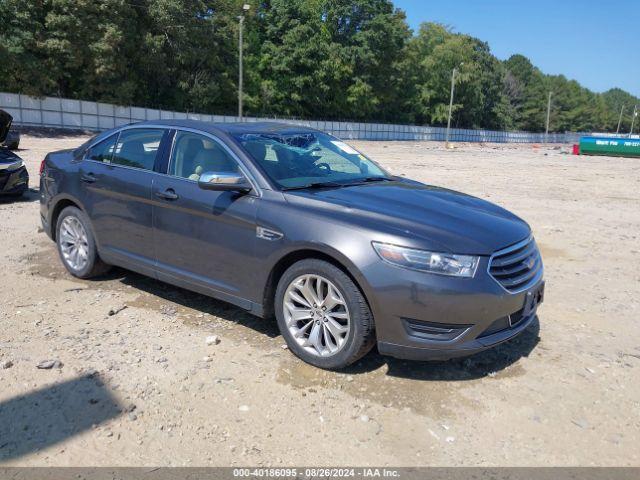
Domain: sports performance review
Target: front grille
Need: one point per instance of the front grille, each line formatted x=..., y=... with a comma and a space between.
x=518, y=267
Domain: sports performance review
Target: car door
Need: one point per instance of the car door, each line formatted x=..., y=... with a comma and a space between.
x=204, y=239
x=117, y=177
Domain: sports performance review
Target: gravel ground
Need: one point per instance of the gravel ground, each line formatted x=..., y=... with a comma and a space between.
x=118, y=371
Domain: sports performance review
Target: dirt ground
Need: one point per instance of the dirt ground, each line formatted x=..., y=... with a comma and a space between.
x=140, y=386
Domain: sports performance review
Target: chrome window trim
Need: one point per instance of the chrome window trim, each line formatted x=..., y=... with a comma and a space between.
x=117, y=134
x=131, y=127
x=116, y=165
x=254, y=184
x=534, y=280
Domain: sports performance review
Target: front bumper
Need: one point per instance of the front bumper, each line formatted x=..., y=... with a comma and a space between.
x=421, y=316
x=458, y=349
x=14, y=182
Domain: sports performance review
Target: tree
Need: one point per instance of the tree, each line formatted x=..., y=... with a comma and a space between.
x=614, y=99
x=332, y=59
x=527, y=94
x=329, y=58
x=24, y=66
x=187, y=58
x=479, y=99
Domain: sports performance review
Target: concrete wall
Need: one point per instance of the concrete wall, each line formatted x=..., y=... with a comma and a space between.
x=79, y=114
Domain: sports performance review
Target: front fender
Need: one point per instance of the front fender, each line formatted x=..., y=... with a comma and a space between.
x=306, y=231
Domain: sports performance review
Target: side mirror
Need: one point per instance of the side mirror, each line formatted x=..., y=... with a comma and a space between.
x=224, y=182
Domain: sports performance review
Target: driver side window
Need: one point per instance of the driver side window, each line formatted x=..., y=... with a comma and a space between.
x=195, y=154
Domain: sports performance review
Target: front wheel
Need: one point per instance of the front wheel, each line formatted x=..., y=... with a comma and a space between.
x=322, y=315
x=76, y=245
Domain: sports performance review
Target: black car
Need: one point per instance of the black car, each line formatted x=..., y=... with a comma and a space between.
x=12, y=142
x=288, y=221
x=14, y=178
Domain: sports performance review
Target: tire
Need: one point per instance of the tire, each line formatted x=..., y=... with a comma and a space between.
x=360, y=335
x=88, y=265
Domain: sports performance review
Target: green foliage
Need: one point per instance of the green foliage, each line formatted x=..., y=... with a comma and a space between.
x=479, y=100
x=329, y=58
x=332, y=59
x=614, y=99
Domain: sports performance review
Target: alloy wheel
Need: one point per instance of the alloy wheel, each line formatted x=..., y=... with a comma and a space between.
x=74, y=243
x=316, y=315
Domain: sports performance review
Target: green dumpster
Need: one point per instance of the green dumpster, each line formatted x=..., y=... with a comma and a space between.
x=618, y=146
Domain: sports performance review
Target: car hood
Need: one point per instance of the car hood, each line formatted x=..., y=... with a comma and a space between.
x=443, y=219
x=7, y=156
x=5, y=125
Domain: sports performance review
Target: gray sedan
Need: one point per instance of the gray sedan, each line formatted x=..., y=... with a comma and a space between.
x=290, y=222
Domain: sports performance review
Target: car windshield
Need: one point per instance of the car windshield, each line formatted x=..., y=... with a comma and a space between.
x=309, y=159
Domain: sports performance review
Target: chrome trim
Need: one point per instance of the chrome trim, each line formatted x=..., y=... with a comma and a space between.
x=12, y=166
x=243, y=168
x=116, y=165
x=451, y=340
x=268, y=234
x=221, y=178
x=513, y=247
x=130, y=127
x=533, y=281
x=464, y=331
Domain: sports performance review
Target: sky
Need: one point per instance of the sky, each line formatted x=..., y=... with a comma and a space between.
x=594, y=42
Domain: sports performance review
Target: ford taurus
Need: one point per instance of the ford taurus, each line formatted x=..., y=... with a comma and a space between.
x=290, y=222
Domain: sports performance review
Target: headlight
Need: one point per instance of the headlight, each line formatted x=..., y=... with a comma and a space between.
x=432, y=262
x=15, y=165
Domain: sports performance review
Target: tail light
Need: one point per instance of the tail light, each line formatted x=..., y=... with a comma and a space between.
x=42, y=166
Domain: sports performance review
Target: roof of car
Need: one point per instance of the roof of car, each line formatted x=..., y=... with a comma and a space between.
x=233, y=128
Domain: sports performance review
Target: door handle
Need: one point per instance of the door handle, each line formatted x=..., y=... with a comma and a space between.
x=168, y=194
x=88, y=178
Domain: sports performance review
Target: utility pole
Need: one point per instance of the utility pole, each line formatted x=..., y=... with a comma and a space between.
x=453, y=83
x=246, y=8
x=633, y=119
x=548, y=113
x=620, y=119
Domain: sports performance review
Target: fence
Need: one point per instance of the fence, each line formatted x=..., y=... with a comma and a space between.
x=80, y=114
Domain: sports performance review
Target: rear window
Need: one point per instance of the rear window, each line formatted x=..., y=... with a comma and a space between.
x=102, y=151
x=137, y=148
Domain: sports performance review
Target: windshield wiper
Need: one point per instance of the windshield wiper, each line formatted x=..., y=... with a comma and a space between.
x=371, y=179
x=316, y=185
x=359, y=181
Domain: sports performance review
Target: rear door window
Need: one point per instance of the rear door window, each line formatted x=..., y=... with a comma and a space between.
x=103, y=151
x=138, y=148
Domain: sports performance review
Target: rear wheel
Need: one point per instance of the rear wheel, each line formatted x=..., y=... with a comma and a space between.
x=76, y=245
x=322, y=315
